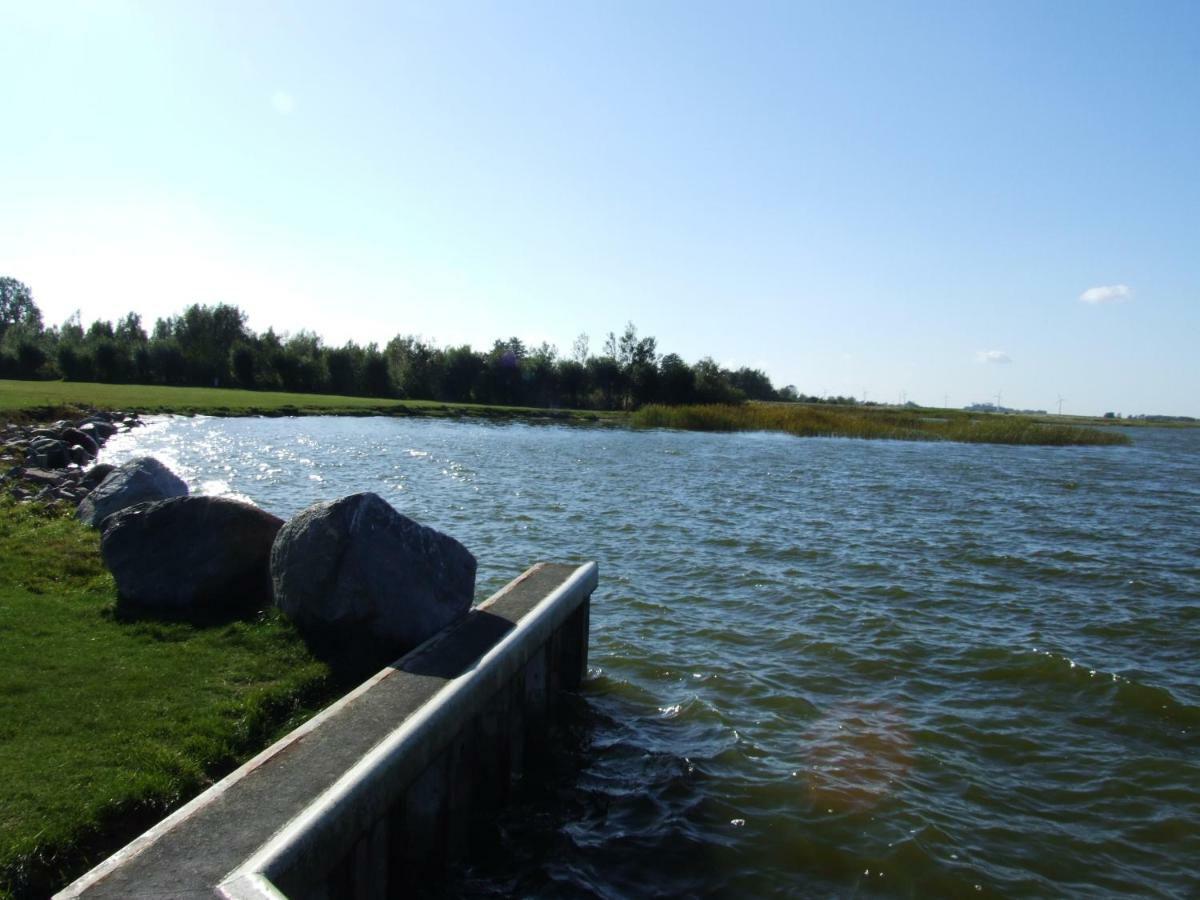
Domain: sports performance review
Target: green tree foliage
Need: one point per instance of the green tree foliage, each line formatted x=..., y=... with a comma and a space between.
x=461, y=371
x=676, y=381
x=207, y=345
x=22, y=350
x=17, y=308
x=713, y=384
x=204, y=335
x=754, y=384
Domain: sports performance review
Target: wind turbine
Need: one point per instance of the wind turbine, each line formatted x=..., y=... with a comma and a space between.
x=1061, y=398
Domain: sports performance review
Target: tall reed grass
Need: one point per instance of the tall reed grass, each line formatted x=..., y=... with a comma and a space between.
x=871, y=422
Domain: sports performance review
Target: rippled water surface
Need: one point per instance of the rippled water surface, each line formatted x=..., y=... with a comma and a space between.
x=818, y=666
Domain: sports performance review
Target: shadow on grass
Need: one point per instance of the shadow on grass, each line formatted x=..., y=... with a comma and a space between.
x=351, y=657
x=349, y=662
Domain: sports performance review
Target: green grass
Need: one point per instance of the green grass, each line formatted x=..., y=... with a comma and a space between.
x=40, y=400
x=107, y=724
x=871, y=422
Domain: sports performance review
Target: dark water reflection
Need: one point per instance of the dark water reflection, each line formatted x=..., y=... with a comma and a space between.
x=818, y=666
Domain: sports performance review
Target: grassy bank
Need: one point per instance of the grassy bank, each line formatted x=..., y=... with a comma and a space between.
x=871, y=422
x=107, y=724
x=40, y=400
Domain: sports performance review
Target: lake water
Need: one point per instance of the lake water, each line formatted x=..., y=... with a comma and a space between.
x=818, y=666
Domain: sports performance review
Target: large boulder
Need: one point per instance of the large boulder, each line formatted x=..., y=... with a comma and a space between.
x=99, y=428
x=191, y=555
x=137, y=481
x=96, y=474
x=83, y=439
x=48, y=453
x=359, y=566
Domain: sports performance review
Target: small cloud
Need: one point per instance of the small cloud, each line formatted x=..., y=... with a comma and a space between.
x=283, y=102
x=1107, y=293
x=998, y=357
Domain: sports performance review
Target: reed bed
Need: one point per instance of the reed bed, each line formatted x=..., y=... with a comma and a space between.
x=872, y=423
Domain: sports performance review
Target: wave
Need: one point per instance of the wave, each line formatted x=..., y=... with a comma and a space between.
x=1047, y=669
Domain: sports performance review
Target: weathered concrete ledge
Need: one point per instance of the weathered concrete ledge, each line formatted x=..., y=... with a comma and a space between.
x=378, y=790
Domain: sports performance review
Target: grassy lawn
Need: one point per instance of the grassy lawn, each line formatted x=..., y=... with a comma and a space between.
x=871, y=422
x=108, y=724
x=47, y=399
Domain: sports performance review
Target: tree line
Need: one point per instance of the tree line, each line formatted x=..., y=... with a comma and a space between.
x=212, y=346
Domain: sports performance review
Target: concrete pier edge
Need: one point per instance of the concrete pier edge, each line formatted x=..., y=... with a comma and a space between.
x=340, y=820
x=406, y=752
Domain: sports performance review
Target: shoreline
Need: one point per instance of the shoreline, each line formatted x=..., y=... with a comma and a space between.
x=25, y=403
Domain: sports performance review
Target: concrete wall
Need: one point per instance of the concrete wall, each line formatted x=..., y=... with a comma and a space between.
x=375, y=794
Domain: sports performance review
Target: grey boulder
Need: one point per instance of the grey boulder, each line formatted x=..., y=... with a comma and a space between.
x=191, y=554
x=138, y=481
x=96, y=474
x=48, y=453
x=83, y=439
x=101, y=429
x=358, y=566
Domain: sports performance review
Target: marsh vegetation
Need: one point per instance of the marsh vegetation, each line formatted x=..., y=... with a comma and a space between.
x=871, y=422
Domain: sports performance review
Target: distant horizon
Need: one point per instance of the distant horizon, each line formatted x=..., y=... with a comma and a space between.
x=900, y=400
x=597, y=341
x=937, y=202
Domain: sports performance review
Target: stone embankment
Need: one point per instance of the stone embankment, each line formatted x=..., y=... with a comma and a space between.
x=54, y=463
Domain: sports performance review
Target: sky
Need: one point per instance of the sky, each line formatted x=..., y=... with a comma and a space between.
x=939, y=202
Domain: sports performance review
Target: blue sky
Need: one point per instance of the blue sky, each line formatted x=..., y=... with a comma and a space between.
x=898, y=199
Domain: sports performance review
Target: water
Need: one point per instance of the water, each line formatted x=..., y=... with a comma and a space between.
x=818, y=666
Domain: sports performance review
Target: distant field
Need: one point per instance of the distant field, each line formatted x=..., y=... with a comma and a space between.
x=44, y=399
x=872, y=422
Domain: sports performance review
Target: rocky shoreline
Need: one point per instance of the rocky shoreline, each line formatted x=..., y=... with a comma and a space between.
x=354, y=566
x=55, y=463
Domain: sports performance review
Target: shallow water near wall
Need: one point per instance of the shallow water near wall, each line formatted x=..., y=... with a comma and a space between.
x=818, y=666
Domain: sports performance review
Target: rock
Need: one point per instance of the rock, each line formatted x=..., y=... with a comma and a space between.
x=359, y=566
x=41, y=476
x=137, y=481
x=99, y=427
x=48, y=453
x=191, y=554
x=96, y=475
x=79, y=455
x=84, y=440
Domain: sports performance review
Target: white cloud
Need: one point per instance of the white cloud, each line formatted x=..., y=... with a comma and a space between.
x=283, y=102
x=999, y=357
x=1107, y=293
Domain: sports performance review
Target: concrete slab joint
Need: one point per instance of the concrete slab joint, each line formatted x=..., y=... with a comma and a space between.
x=321, y=812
